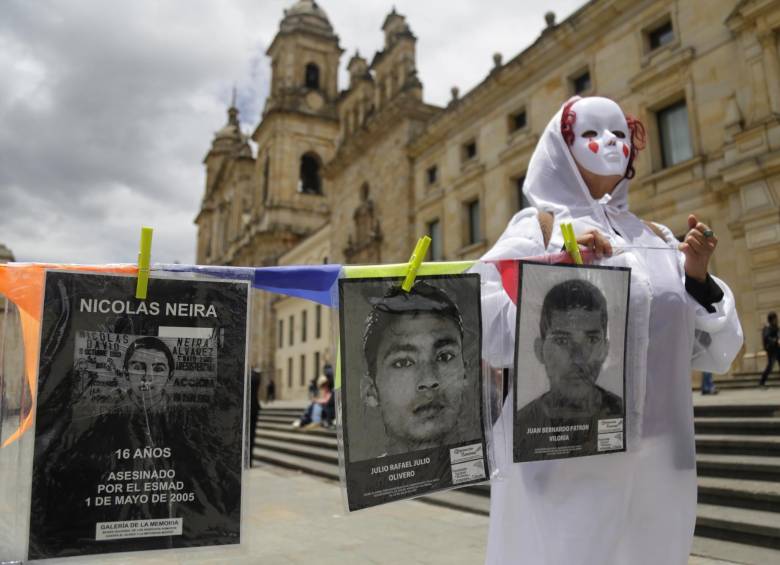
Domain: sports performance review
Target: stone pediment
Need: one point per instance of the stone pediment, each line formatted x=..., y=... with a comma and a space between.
x=665, y=67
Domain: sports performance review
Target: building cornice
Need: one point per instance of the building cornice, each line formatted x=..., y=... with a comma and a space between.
x=275, y=113
x=751, y=168
x=677, y=61
x=747, y=12
x=520, y=142
x=582, y=28
x=329, y=38
x=273, y=233
x=402, y=108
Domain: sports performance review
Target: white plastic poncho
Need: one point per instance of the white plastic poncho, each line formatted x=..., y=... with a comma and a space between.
x=637, y=507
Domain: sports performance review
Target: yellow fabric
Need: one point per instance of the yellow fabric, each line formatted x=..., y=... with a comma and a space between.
x=399, y=269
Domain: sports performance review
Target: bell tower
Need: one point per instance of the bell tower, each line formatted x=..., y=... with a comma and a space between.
x=304, y=62
x=299, y=126
x=296, y=136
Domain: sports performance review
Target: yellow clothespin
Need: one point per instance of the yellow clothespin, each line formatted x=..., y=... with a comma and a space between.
x=570, y=242
x=144, y=260
x=415, y=261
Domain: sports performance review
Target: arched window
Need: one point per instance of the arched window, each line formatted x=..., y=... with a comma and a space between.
x=310, y=181
x=266, y=168
x=312, y=78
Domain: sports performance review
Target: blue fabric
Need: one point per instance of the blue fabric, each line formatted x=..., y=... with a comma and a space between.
x=311, y=282
x=707, y=383
x=316, y=413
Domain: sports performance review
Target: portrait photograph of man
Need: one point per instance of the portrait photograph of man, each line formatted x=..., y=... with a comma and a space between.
x=139, y=417
x=148, y=367
x=411, y=385
x=570, y=361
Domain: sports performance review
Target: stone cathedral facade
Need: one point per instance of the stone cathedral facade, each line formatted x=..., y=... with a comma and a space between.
x=368, y=167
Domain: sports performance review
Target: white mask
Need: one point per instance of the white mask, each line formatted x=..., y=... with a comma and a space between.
x=602, y=140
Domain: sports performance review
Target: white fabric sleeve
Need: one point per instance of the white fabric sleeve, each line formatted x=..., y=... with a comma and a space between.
x=718, y=334
x=521, y=238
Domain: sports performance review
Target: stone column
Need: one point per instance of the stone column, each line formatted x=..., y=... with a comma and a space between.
x=753, y=53
x=771, y=57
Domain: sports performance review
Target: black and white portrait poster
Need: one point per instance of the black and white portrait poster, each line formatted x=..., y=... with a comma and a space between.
x=140, y=407
x=570, y=361
x=411, y=387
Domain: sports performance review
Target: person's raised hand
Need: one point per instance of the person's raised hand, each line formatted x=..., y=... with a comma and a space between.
x=698, y=246
x=596, y=242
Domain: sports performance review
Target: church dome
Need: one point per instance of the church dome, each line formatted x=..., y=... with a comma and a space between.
x=306, y=15
x=230, y=131
x=230, y=134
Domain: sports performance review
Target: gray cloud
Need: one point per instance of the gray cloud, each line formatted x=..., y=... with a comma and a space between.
x=108, y=108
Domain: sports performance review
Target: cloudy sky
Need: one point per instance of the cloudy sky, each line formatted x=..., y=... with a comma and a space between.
x=108, y=108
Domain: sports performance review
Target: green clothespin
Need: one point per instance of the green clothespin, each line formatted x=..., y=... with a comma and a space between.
x=144, y=260
x=415, y=261
x=570, y=242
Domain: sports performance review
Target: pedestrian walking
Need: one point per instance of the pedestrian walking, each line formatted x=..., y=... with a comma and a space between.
x=771, y=346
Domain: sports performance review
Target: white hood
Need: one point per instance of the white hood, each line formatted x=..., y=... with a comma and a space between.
x=554, y=184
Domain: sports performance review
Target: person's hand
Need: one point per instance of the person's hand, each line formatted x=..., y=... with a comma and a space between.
x=596, y=242
x=698, y=246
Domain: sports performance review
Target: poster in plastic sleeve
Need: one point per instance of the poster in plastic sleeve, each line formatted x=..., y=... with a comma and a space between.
x=138, y=434
x=570, y=361
x=411, y=382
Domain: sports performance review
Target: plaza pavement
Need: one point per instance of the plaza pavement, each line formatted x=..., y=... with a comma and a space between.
x=294, y=519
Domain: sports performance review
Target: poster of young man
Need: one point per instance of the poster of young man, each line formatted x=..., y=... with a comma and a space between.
x=570, y=361
x=140, y=407
x=411, y=387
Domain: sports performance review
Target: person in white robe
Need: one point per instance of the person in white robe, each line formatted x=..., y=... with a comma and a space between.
x=636, y=507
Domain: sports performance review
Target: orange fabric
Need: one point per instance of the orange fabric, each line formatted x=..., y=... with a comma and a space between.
x=22, y=284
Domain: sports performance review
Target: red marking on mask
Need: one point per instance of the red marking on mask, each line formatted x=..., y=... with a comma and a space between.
x=593, y=146
x=625, y=150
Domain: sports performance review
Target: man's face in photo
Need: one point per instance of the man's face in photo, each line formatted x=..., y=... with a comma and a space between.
x=420, y=378
x=573, y=349
x=147, y=374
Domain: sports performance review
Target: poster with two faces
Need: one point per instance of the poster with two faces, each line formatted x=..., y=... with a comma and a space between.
x=414, y=419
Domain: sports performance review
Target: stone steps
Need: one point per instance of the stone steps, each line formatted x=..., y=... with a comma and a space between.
x=721, y=425
x=730, y=553
x=757, y=467
x=734, y=444
x=743, y=382
x=738, y=462
x=737, y=411
x=285, y=419
x=747, y=426
x=285, y=425
x=753, y=527
x=740, y=493
x=295, y=462
x=324, y=455
x=751, y=425
x=744, y=377
x=465, y=500
x=730, y=487
x=305, y=437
